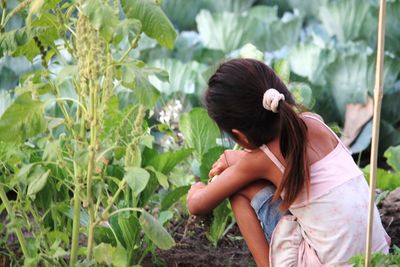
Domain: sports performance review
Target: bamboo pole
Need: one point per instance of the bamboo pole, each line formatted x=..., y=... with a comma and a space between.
x=378, y=94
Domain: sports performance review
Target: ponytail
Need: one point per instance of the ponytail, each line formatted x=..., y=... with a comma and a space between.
x=293, y=145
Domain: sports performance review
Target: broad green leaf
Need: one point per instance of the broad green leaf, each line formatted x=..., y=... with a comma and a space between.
x=310, y=61
x=229, y=5
x=23, y=119
x=302, y=93
x=250, y=51
x=136, y=78
x=154, y=22
x=165, y=216
x=183, y=77
x=385, y=180
x=173, y=196
x=126, y=27
x=225, y=31
x=218, y=224
x=309, y=8
x=155, y=231
x=162, y=178
x=104, y=234
x=344, y=18
x=392, y=30
x=199, y=130
x=282, y=68
x=102, y=253
x=392, y=154
x=347, y=79
x=184, y=16
x=275, y=34
x=9, y=41
x=208, y=159
x=390, y=108
x=165, y=162
x=102, y=17
x=137, y=179
x=130, y=230
x=38, y=183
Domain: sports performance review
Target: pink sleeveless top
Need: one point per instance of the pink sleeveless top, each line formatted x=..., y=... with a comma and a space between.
x=328, y=226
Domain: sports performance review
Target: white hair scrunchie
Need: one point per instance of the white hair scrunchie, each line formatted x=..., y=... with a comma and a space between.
x=271, y=99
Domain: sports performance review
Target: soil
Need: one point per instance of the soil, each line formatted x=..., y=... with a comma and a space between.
x=194, y=249
x=390, y=214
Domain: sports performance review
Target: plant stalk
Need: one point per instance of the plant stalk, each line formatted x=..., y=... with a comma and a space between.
x=11, y=213
x=93, y=86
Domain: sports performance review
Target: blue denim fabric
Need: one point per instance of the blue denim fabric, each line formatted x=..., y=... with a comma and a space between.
x=268, y=213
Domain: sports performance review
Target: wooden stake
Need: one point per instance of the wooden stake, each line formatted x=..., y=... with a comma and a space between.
x=378, y=94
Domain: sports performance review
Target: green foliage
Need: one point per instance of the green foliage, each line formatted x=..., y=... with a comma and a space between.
x=378, y=259
x=218, y=224
x=23, y=119
x=388, y=179
x=200, y=131
x=154, y=22
x=154, y=230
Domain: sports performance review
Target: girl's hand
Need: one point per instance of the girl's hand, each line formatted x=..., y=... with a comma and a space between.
x=228, y=158
x=194, y=188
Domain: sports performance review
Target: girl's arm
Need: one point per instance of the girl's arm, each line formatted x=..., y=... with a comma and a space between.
x=203, y=198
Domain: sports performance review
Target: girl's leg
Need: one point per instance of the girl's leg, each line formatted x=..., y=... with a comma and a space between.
x=249, y=224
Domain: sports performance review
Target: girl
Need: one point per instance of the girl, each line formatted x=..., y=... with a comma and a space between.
x=297, y=195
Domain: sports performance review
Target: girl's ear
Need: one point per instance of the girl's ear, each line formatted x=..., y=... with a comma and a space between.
x=240, y=138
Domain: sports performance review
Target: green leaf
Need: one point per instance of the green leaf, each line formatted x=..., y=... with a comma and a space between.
x=225, y=31
x=9, y=41
x=273, y=34
x=126, y=27
x=310, y=61
x=162, y=178
x=282, y=69
x=23, y=119
x=302, y=93
x=392, y=154
x=344, y=18
x=38, y=183
x=165, y=162
x=184, y=16
x=250, y=51
x=137, y=179
x=183, y=77
x=229, y=5
x=385, y=180
x=136, y=78
x=165, y=216
x=208, y=159
x=106, y=254
x=102, y=17
x=199, y=130
x=154, y=22
x=173, y=197
x=347, y=79
x=218, y=224
x=155, y=231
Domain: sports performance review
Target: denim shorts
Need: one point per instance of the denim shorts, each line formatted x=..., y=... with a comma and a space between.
x=268, y=213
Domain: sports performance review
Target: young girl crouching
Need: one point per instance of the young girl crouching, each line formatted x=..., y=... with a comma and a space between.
x=297, y=195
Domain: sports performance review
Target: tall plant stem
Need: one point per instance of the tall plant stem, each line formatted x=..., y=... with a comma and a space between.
x=76, y=220
x=11, y=213
x=93, y=86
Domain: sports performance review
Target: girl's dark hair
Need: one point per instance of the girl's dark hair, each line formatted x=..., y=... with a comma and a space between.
x=234, y=101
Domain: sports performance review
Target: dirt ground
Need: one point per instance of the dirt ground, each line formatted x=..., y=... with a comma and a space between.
x=193, y=248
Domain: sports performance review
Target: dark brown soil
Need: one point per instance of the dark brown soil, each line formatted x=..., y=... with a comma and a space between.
x=390, y=214
x=194, y=249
